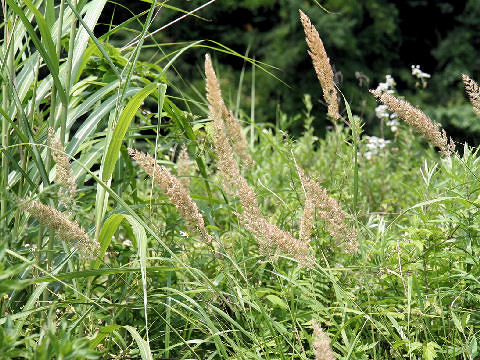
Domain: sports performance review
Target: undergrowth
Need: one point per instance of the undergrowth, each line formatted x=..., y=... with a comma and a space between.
x=110, y=265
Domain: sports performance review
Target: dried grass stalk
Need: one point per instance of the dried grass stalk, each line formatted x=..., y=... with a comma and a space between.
x=64, y=228
x=184, y=167
x=473, y=92
x=175, y=192
x=268, y=235
x=321, y=344
x=64, y=174
x=321, y=64
x=329, y=210
x=414, y=117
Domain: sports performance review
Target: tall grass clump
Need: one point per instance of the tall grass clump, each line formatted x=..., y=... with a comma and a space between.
x=349, y=246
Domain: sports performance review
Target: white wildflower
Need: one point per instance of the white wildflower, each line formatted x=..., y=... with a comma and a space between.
x=374, y=145
x=419, y=73
x=388, y=86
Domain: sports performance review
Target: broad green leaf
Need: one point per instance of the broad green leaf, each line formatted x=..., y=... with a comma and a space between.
x=121, y=128
x=105, y=237
x=275, y=300
x=429, y=352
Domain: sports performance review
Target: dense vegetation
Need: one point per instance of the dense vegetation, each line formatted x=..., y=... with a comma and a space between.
x=219, y=243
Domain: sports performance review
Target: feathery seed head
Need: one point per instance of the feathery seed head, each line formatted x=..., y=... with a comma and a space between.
x=271, y=237
x=64, y=174
x=184, y=167
x=66, y=229
x=175, y=192
x=414, y=117
x=473, y=92
x=329, y=210
x=268, y=235
x=321, y=344
x=321, y=64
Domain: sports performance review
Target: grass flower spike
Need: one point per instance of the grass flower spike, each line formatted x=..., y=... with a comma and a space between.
x=268, y=235
x=414, y=117
x=184, y=167
x=237, y=137
x=67, y=230
x=473, y=92
x=329, y=210
x=321, y=64
x=64, y=174
x=175, y=192
x=321, y=344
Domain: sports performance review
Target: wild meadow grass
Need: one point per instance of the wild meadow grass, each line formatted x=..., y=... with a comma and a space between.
x=138, y=223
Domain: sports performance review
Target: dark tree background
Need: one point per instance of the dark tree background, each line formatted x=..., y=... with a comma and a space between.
x=371, y=37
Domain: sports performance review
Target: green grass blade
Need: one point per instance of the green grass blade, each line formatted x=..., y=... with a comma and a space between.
x=143, y=346
x=52, y=63
x=121, y=128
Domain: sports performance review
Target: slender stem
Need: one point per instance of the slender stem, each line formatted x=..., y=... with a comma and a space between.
x=68, y=77
x=4, y=174
x=252, y=106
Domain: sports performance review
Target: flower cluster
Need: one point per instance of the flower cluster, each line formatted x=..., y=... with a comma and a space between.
x=419, y=74
x=388, y=86
x=374, y=145
x=389, y=118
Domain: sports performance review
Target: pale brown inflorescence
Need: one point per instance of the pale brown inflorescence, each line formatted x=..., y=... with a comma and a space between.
x=66, y=229
x=237, y=138
x=175, y=192
x=329, y=210
x=321, y=344
x=321, y=64
x=268, y=235
x=306, y=221
x=473, y=92
x=64, y=174
x=184, y=167
x=414, y=117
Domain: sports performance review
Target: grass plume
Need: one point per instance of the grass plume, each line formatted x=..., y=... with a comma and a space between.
x=268, y=235
x=66, y=230
x=473, y=92
x=329, y=210
x=184, y=167
x=64, y=175
x=414, y=117
x=321, y=344
x=321, y=64
x=175, y=191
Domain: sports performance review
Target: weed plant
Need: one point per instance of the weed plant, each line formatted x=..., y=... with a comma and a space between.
x=218, y=239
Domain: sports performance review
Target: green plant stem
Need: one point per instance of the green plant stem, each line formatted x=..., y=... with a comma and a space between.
x=252, y=106
x=68, y=77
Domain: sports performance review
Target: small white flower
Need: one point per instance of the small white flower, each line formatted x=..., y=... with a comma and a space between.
x=184, y=234
x=419, y=73
x=388, y=86
x=382, y=111
x=374, y=145
x=127, y=242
